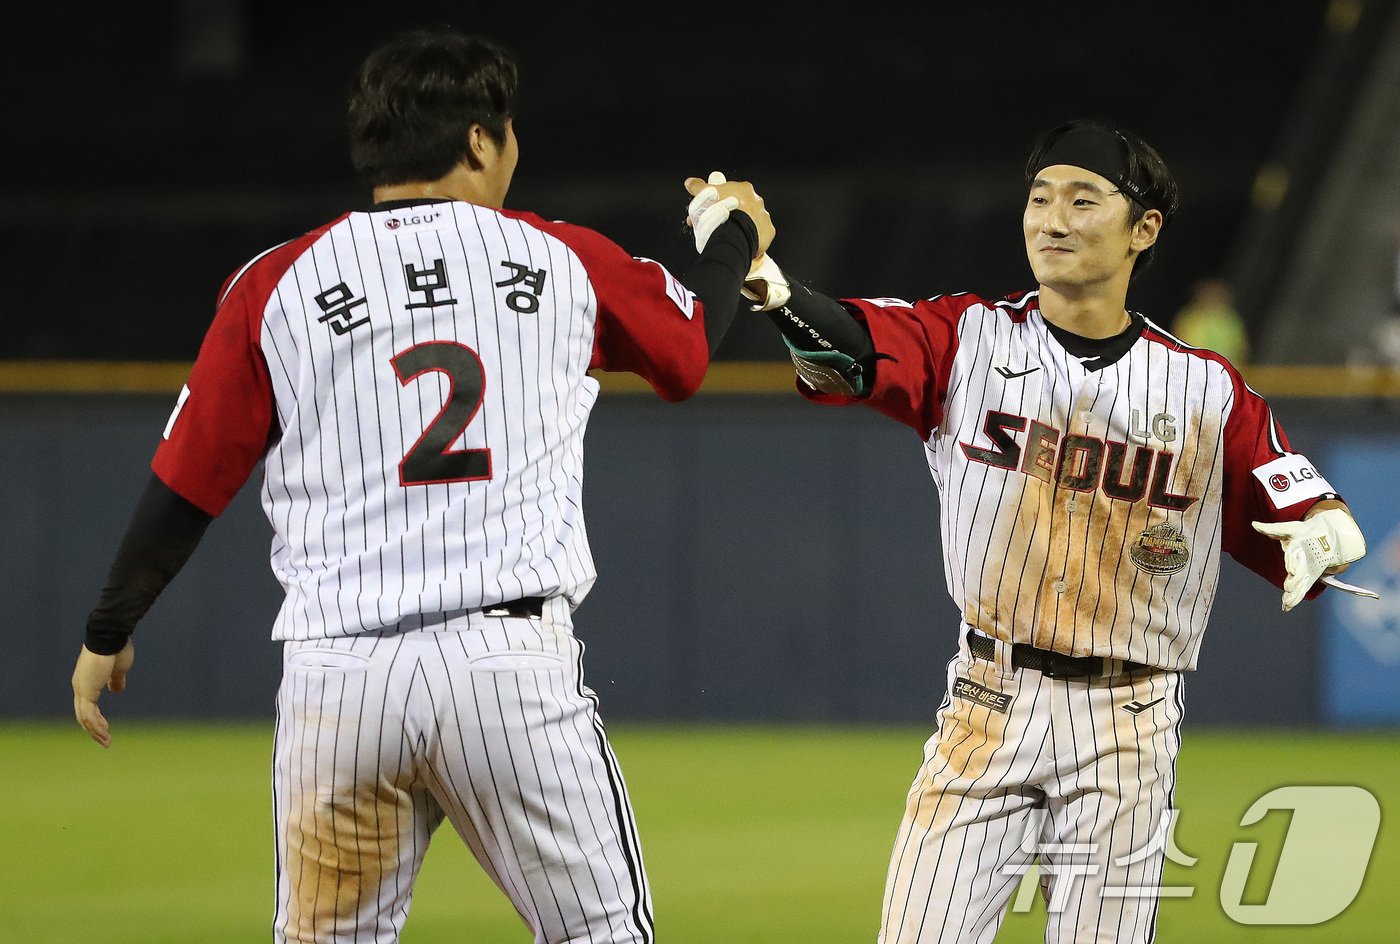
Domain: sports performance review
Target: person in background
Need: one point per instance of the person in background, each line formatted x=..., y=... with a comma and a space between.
x=1210, y=321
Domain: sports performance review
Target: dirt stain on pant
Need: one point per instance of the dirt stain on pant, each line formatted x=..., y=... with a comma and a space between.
x=340, y=847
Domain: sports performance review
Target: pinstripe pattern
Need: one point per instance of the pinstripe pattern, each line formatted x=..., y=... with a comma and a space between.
x=356, y=551
x=1063, y=770
x=1034, y=558
x=1033, y=536
x=1067, y=494
x=485, y=723
x=402, y=705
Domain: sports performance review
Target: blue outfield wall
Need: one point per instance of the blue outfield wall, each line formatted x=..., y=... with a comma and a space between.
x=1361, y=638
x=760, y=558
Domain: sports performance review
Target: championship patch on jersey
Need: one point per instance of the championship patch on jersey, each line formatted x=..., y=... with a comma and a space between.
x=1161, y=549
x=966, y=688
x=675, y=291
x=1291, y=479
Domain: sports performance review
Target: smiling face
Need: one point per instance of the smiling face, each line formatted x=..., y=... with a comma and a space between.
x=1078, y=230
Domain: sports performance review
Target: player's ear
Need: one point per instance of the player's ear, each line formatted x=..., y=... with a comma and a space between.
x=1146, y=229
x=482, y=148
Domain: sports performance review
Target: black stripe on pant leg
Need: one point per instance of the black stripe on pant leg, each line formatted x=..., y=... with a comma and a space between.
x=572, y=747
x=631, y=849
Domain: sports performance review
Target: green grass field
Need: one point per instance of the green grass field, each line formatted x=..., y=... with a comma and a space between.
x=763, y=834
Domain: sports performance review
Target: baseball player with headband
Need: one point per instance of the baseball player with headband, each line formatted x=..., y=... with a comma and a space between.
x=1090, y=467
x=414, y=378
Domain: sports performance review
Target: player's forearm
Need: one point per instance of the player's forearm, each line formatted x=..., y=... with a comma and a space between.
x=718, y=274
x=813, y=323
x=163, y=533
x=825, y=330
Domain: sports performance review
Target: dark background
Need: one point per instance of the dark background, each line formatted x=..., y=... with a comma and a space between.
x=747, y=571
x=151, y=148
x=749, y=567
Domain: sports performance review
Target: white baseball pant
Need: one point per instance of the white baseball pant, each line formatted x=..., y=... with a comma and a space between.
x=1067, y=775
x=483, y=720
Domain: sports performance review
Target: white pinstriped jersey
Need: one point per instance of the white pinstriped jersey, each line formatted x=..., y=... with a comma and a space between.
x=1082, y=510
x=415, y=378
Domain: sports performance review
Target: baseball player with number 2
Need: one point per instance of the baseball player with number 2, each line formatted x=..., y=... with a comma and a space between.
x=414, y=377
x=1090, y=467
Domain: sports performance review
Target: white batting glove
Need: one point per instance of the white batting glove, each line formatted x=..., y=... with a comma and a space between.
x=766, y=285
x=707, y=212
x=1310, y=548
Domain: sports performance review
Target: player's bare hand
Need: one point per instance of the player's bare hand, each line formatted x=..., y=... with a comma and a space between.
x=90, y=675
x=737, y=194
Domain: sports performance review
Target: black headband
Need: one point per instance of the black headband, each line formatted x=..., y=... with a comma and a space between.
x=1100, y=150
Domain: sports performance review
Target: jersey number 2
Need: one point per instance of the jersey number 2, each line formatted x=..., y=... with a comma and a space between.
x=429, y=461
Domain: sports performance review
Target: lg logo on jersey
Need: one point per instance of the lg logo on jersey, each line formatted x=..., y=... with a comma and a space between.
x=1282, y=483
x=1163, y=427
x=1083, y=463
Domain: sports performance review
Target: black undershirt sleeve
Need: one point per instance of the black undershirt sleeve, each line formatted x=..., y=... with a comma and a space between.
x=163, y=533
x=718, y=273
x=812, y=322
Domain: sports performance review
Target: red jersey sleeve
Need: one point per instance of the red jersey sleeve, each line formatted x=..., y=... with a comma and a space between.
x=648, y=323
x=917, y=342
x=222, y=423
x=1265, y=480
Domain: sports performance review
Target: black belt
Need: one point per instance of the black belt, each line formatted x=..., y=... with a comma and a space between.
x=1047, y=663
x=525, y=606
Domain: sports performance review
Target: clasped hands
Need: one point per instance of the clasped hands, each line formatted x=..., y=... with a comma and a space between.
x=712, y=201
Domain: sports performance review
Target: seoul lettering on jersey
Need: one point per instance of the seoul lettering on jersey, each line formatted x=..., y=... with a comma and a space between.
x=1080, y=463
x=1075, y=502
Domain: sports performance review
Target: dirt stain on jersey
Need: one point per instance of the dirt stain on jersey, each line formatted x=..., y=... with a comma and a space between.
x=339, y=848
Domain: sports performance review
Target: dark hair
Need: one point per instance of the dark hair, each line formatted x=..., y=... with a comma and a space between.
x=415, y=99
x=1146, y=182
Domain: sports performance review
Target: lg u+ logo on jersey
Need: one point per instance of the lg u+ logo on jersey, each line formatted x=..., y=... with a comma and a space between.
x=394, y=223
x=1084, y=463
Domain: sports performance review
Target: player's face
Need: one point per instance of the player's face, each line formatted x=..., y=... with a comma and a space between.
x=1076, y=229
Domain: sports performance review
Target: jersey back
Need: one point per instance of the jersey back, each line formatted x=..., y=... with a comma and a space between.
x=424, y=374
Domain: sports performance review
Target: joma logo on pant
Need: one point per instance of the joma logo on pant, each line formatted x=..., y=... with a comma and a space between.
x=1083, y=463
